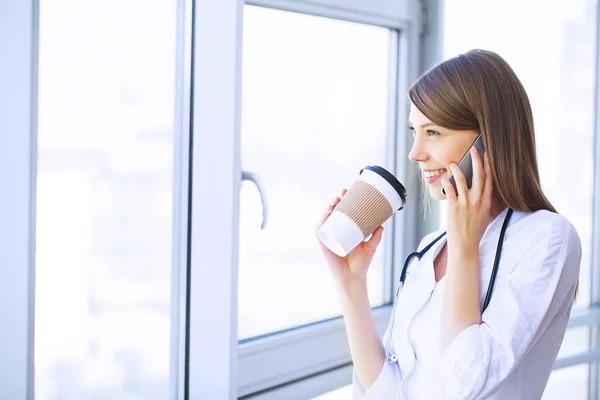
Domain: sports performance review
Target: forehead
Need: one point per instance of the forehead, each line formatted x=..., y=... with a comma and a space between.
x=416, y=117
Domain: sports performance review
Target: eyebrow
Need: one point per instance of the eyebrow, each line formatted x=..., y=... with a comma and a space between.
x=428, y=124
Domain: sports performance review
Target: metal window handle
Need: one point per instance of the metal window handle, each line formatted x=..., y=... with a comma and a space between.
x=251, y=176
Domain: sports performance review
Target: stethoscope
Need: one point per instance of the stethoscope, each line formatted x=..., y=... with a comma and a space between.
x=390, y=353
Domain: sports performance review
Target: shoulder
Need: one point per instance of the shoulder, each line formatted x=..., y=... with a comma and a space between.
x=533, y=226
x=547, y=238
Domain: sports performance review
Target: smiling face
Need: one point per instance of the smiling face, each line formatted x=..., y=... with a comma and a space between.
x=435, y=147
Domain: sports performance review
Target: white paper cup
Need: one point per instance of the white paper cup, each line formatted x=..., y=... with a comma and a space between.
x=371, y=200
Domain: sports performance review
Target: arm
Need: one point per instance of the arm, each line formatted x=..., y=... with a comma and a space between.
x=388, y=377
x=366, y=347
x=461, y=307
x=469, y=212
x=374, y=379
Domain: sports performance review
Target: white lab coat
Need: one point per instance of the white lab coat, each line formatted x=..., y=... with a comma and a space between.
x=511, y=354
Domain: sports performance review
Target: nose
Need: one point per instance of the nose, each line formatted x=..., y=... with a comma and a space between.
x=417, y=152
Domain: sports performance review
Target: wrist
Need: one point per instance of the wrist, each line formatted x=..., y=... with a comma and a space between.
x=352, y=290
x=351, y=282
x=463, y=252
x=463, y=259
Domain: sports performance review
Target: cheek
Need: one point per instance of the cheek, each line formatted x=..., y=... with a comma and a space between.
x=455, y=153
x=441, y=158
x=445, y=161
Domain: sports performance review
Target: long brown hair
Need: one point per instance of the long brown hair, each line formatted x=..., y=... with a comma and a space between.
x=479, y=91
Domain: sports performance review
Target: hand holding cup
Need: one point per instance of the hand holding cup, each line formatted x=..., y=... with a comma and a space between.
x=354, y=216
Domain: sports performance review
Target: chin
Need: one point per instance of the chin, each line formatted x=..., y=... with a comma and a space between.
x=436, y=192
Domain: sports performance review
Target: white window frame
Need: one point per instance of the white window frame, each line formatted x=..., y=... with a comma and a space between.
x=181, y=203
x=212, y=353
x=18, y=120
x=388, y=13
x=594, y=370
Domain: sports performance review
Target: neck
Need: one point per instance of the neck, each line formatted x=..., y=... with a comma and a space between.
x=497, y=207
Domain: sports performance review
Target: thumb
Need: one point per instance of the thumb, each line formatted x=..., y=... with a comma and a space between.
x=373, y=242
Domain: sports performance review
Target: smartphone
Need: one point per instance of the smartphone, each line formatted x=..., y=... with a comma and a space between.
x=466, y=164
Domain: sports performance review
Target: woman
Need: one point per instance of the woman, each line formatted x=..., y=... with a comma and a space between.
x=443, y=346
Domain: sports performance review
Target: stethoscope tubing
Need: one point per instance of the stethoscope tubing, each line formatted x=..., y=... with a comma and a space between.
x=390, y=355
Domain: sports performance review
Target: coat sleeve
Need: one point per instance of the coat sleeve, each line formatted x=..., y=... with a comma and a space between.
x=386, y=386
x=538, y=288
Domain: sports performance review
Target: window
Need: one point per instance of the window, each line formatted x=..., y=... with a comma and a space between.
x=319, y=101
x=568, y=383
x=105, y=200
x=314, y=112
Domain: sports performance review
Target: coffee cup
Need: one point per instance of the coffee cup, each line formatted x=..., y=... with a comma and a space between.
x=371, y=200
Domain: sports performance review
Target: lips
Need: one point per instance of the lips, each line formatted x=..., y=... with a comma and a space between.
x=432, y=173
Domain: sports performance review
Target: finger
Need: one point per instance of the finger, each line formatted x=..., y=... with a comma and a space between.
x=326, y=213
x=374, y=241
x=478, y=171
x=459, y=179
x=344, y=191
x=449, y=189
x=488, y=187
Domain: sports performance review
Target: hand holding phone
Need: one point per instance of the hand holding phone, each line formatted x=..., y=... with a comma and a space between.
x=466, y=164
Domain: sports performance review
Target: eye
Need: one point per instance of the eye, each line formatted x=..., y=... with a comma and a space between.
x=432, y=133
x=411, y=129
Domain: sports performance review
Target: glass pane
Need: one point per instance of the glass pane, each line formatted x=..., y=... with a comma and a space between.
x=104, y=196
x=576, y=341
x=314, y=112
x=554, y=59
x=568, y=383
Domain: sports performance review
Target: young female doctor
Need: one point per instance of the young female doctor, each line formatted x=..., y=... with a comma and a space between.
x=452, y=336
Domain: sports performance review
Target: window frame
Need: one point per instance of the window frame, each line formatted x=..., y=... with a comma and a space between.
x=181, y=202
x=388, y=13
x=211, y=338
x=594, y=370
x=18, y=148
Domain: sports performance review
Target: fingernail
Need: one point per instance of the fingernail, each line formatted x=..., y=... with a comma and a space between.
x=474, y=149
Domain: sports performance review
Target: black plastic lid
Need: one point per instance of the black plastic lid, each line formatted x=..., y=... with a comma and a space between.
x=385, y=174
